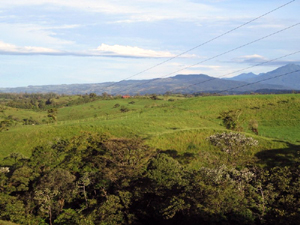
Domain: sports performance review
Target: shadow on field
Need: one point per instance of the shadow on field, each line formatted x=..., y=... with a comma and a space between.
x=280, y=157
x=184, y=158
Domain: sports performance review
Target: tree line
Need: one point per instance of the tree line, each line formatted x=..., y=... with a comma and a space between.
x=95, y=178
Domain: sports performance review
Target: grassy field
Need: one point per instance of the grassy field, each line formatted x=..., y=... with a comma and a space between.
x=180, y=125
x=6, y=223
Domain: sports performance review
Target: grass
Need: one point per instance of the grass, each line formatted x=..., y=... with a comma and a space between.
x=181, y=125
x=2, y=222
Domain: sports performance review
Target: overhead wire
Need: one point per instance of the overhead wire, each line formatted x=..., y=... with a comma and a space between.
x=270, y=78
x=221, y=54
x=204, y=43
x=237, y=71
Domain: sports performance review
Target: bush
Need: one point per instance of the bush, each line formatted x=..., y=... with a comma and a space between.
x=232, y=143
x=231, y=119
x=124, y=109
x=253, y=125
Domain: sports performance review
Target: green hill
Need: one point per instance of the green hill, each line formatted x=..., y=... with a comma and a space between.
x=177, y=123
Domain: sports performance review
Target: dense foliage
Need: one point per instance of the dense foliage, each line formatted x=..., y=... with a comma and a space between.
x=98, y=179
x=40, y=101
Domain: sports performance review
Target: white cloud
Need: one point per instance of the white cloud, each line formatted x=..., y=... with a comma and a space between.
x=136, y=10
x=250, y=59
x=130, y=51
x=6, y=48
x=88, y=5
x=102, y=51
x=256, y=59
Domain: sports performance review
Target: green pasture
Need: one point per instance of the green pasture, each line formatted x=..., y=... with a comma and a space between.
x=180, y=126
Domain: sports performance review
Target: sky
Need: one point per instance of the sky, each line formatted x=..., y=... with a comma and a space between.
x=46, y=42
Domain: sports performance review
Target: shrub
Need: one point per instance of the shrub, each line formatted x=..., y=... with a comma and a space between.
x=232, y=143
x=231, y=119
x=253, y=125
x=124, y=109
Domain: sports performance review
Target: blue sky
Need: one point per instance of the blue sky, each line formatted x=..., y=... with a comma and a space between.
x=92, y=41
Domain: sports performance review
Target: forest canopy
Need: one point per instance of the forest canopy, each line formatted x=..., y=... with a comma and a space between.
x=96, y=178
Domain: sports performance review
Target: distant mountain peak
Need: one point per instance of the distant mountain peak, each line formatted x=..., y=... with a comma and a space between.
x=243, y=76
x=290, y=66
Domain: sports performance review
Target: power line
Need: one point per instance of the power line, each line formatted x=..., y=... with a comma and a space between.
x=204, y=43
x=270, y=78
x=221, y=54
x=238, y=71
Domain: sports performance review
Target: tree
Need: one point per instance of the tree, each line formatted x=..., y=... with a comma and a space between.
x=92, y=95
x=52, y=114
x=159, y=192
x=281, y=189
x=12, y=209
x=125, y=158
x=53, y=190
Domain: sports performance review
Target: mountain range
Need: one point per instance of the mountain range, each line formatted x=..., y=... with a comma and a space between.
x=285, y=78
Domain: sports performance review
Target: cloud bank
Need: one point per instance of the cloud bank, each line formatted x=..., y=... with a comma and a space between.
x=129, y=51
x=258, y=59
x=9, y=49
x=135, y=10
x=103, y=50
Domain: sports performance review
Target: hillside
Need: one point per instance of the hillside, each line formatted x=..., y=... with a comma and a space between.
x=155, y=120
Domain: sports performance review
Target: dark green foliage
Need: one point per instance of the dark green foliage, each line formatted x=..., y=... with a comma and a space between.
x=12, y=209
x=4, y=125
x=123, y=109
x=44, y=101
x=30, y=121
x=93, y=95
x=281, y=191
x=52, y=114
x=231, y=119
x=95, y=178
x=53, y=191
x=155, y=97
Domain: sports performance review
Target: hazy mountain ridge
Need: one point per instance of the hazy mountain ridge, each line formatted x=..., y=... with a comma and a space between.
x=290, y=81
x=191, y=83
x=243, y=77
